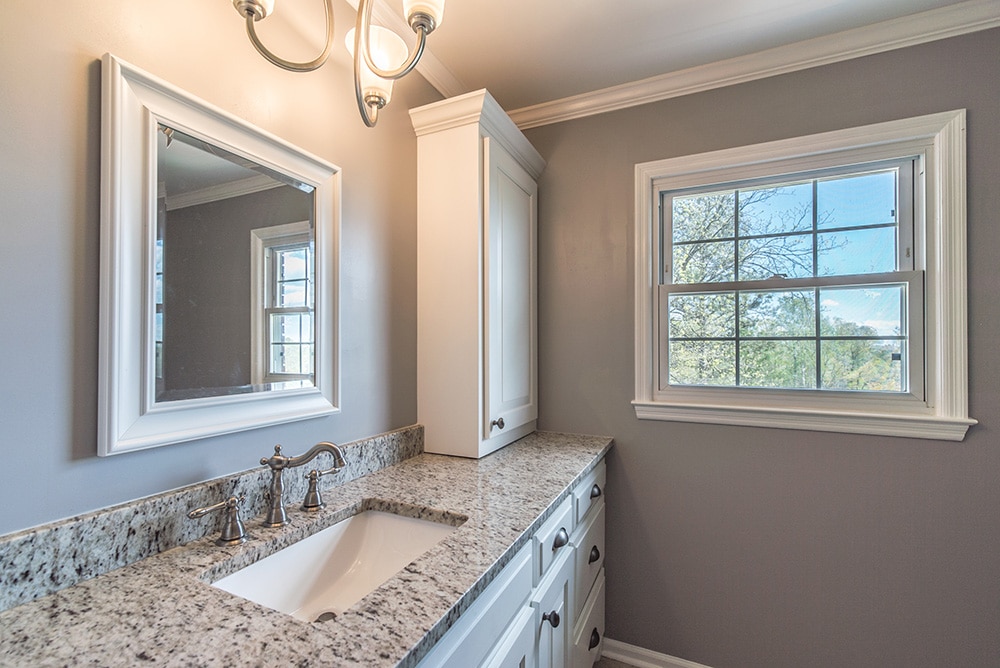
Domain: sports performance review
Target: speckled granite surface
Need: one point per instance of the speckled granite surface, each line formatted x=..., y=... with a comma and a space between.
x=162, y=611
x=44, y=559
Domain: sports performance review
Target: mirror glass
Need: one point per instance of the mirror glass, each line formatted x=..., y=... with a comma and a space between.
x=219, y=270
x=233, y=273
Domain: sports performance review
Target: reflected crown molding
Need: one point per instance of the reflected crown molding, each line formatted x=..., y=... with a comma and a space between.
x=254, y=184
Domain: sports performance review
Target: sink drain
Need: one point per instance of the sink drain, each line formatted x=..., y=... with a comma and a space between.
x=327, y=617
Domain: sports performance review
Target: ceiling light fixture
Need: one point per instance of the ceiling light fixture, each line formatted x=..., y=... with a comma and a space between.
x=380, y=55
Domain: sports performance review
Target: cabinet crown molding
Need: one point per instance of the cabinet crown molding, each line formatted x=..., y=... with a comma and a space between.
x=478, y=108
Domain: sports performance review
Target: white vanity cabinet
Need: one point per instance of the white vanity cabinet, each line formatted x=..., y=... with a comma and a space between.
x=476, y=276
x=545, y=609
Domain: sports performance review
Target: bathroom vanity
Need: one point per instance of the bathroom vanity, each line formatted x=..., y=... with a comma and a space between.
x=529, y=551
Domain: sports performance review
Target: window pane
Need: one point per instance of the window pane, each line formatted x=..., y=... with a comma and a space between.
x=863, y=364
x=776, y=210
x=307, y=359
x=778, y=313
x=862, y=311
x=292, y=264
x=292, y=293
x=788, y=364
x=702, y=316
x=762, y=258
x=705, y=216
x=702, y=363
x=286, y=328
x=865, y=199
x=307, y=328
x=703, y=263
x=286, y=359
x=857, y=252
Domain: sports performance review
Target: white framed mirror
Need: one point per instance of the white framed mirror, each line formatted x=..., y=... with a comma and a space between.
x=219, y=270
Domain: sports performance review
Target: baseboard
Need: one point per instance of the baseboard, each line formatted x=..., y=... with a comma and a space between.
x=643, y=658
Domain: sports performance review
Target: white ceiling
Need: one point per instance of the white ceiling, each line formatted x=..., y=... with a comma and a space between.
x=527, y=52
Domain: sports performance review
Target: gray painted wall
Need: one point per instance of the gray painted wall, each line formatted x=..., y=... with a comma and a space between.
x=49, y=258
x=747, y=547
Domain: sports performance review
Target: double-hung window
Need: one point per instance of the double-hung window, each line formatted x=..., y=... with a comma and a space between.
x=283, y=297
x=814, y=283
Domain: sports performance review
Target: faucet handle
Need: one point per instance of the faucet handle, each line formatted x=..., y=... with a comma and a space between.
x=233, y=532
x=277, y=461
x=314, y=501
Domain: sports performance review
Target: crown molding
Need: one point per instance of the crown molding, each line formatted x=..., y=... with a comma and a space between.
x=478, y=108
x=247, y=186
x=951, y=21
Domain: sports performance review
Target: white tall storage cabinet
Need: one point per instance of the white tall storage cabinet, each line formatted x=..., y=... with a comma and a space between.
x=476, y=276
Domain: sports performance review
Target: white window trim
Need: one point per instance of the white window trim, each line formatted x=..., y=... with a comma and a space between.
x=260, y=240
x=943, y=414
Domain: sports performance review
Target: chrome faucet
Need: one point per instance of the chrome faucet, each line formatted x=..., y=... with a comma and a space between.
x=276, y=515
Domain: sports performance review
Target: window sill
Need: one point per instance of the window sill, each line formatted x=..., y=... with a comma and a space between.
x=848, y=422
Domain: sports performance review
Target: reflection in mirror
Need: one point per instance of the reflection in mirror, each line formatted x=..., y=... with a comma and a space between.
x=234, y=275
x=219, y=271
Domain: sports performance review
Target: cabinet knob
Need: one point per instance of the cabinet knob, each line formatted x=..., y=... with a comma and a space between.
x=552, y=618
x=561, y=539
x=595, y=639
x=497, y=423
x=595, y=491
x=595, y=554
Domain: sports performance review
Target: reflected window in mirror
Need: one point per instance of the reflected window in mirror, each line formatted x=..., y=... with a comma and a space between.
x=283, y=334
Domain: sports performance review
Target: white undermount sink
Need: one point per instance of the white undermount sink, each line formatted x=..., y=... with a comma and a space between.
x=320, y=576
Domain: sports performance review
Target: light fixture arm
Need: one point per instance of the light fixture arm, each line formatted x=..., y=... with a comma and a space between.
x=421, y=24
x=309, y=66
x=367, y=105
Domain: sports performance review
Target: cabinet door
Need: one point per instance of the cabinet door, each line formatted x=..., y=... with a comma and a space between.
x=510, y=313
x=552, y=602
x=517, y=649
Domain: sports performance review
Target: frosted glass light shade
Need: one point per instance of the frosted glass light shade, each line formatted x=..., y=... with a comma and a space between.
x=388, y=50
x=433, y=8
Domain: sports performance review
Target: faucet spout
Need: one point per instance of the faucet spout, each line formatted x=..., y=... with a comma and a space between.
x=311, y=453
x=276, y=514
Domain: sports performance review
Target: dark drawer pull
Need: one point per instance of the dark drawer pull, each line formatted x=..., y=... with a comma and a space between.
x=595, y=554
x=561, y=540
x=595, y=639
x=595, y=491
x=552, y=618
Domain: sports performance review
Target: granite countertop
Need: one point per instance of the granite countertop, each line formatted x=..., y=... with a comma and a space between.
x=161, y=610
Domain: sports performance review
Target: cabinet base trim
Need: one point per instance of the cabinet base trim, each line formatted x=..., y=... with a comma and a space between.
x=643, y=658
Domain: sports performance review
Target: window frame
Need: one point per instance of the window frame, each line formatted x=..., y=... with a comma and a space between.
x=907, y=219
x=262, y=288
x=939, y=250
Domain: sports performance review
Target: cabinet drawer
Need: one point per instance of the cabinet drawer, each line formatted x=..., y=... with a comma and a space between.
x=590, y=491
x=589, y=637
x=589, y=543
x=477, y=630
x=553, y=537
